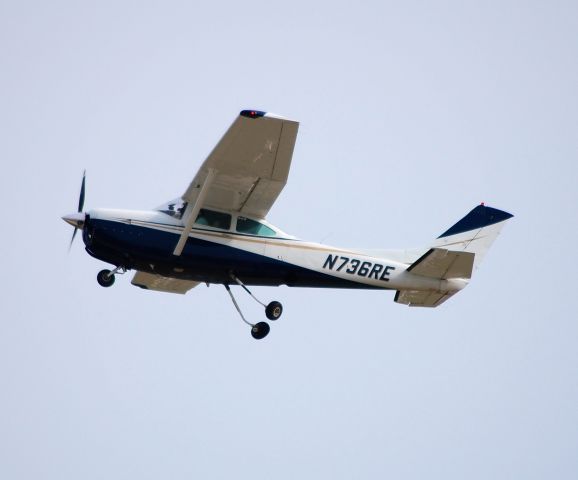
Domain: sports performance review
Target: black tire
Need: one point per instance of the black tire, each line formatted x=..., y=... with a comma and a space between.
x=274, y=310
x=105, y=279
x=260, y=330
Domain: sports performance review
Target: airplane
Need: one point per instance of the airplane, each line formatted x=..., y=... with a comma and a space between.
x=216, y=233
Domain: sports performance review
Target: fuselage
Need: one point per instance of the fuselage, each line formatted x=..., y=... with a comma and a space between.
x=145, y=241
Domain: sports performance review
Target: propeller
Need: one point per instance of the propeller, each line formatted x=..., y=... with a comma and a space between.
x=82, y=190
x=77, y=219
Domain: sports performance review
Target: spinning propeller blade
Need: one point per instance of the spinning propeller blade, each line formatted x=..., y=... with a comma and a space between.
x=72, y=239
x=76, y=220
x=82, y=189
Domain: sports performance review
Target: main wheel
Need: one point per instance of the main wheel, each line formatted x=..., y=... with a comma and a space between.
x=104, y=278
x=260, y=330
x=274, y=310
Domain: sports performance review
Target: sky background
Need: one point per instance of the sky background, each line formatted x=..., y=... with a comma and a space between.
x=411, y=114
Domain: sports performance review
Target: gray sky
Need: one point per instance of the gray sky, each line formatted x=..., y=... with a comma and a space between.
x=411, y=114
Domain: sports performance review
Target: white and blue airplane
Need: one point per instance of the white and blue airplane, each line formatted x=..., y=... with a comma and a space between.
x=216, y=232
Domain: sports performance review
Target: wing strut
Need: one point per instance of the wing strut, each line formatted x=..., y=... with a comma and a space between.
x=195, y=211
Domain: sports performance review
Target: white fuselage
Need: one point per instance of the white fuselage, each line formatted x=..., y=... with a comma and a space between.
x=355, y=266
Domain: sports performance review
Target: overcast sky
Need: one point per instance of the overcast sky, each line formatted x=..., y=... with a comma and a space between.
x=411, y=114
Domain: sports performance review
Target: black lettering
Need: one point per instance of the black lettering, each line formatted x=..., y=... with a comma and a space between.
x=330, y=262
x=353, y=267
x=345, y=260
x=375, y=271
x=386, y=273
x=364, y=269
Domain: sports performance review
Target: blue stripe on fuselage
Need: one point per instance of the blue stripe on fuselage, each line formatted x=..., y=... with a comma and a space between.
x=139, y=247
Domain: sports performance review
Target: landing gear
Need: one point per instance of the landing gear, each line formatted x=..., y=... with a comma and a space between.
x=105, y=278
x=273, y=311
x=260, y=330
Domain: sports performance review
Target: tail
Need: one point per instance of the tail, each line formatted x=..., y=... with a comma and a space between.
x=474, y=233
x=454, y=255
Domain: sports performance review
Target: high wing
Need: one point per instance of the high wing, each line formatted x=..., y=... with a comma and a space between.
x=245, y=172
x=250, y=165
x=151, y=281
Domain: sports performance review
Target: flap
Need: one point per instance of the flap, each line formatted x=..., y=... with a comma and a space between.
x=152, y=281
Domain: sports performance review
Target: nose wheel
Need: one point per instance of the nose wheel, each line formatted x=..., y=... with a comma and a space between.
x=272, y=311
x=105, y=278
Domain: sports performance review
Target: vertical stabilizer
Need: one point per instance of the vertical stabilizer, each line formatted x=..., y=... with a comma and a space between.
x=453, y=256
x=474, y=233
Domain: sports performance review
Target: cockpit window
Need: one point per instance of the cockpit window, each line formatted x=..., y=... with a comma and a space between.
x=252, y=227
x=214, y=219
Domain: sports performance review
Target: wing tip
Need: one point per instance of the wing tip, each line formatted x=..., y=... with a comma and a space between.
x=252, y=113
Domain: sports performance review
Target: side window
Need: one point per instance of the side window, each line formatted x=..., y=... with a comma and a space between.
x=252, y=227
x=214, y=219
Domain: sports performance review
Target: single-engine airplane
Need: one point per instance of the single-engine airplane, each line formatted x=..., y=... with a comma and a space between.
x=216, y=232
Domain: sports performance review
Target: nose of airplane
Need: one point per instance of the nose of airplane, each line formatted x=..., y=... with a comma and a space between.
x=74, y=219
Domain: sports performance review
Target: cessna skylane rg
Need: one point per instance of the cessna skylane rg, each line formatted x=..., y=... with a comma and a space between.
x=216, y=232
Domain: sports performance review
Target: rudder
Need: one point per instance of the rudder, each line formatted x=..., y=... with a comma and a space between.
x=474, y=233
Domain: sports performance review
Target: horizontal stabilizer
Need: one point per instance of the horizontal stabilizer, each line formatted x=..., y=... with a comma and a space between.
x=421, y=298
x=444, y=264
x=152, y=281
x=452, y=257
